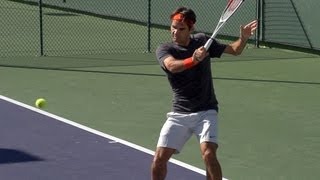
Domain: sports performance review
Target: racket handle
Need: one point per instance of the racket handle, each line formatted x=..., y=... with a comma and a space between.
x=208, y=44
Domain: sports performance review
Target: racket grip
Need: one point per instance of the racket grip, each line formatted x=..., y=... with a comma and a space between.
x=208, y=44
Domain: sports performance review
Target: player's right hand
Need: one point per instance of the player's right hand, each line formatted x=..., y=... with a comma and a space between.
x=199, y=54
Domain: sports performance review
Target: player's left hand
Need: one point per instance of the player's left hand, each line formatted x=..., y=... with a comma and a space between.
x=248, y=30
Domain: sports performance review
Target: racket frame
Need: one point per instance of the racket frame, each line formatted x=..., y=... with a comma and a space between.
x=222, y=22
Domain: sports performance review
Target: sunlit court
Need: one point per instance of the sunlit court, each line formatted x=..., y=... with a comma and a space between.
x=104, y=96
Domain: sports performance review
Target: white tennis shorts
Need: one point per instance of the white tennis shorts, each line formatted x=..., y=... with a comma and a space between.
x=178, y=128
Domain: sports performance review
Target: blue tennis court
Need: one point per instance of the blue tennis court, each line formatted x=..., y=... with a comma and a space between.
x=35, y=144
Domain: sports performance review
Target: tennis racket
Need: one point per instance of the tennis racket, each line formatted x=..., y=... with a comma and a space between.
x=228, y=11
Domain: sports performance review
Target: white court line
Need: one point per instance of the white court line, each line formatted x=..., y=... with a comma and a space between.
x=114, y=139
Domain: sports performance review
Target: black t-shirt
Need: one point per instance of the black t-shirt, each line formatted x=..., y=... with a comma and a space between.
x=193, y=89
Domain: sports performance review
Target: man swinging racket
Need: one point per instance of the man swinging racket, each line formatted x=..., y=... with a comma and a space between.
x=186, y=63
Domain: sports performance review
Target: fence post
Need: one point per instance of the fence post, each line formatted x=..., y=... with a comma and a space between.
x=41, y=28
x=257, y=43
x=149, y=26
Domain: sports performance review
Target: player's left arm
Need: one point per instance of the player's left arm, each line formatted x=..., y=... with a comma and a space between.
x=236, y=47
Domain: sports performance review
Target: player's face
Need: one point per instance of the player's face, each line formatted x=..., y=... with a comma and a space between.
x=180, y=33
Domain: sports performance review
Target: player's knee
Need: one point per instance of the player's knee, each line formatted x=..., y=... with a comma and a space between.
x=209, y=155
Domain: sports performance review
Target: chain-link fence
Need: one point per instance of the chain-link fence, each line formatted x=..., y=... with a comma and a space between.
x=61, y=27
x=291, y=22
x=66, y=27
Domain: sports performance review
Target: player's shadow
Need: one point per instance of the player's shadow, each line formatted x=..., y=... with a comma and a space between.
x=16, y=156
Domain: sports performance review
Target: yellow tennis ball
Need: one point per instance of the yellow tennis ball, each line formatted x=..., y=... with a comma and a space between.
x=40, y=103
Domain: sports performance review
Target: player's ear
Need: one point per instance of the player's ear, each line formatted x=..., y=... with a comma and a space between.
x=192, y=28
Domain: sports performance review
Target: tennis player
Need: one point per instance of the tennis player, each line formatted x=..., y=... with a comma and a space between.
x=195, y=107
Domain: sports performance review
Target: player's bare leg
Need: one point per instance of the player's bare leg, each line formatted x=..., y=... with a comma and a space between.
x=159, y=164
x=208, y=151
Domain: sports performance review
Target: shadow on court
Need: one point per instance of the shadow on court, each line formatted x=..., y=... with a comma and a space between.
x=16, y=156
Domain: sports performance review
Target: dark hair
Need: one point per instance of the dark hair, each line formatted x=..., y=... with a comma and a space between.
x=188, y=15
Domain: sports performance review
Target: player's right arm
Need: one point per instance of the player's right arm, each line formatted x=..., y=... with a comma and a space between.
x=178, y=65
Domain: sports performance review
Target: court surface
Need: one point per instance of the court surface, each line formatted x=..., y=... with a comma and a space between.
x=35, y=144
